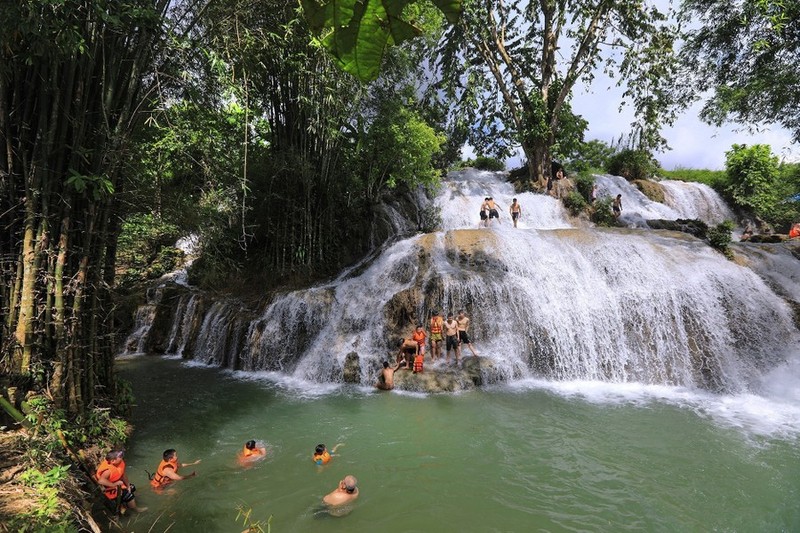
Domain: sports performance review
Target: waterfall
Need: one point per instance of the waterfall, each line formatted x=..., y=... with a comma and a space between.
x=687, y=200
x=696, y=200
x=181, y=330
x=136, y=342
x=546, y=299
x=463, y=193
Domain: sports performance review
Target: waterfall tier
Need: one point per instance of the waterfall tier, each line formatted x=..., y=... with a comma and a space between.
x=546, y=300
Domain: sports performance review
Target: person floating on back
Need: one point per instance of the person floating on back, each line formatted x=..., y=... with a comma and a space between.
x=167, y=471
x=253, y=451
x=111, y=477
x=322, y=456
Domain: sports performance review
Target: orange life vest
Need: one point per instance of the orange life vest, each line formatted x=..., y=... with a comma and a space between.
x=159, y=479
x=247, y=452
x=323, y=458
x=418, y=360
x=794, y=232
x=116, y=473
x=436, y=324
x=418, y=337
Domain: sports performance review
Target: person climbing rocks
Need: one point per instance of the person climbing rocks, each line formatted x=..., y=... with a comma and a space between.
x=386, y=379
x=451, y=338
x=515, y=210
x=435, y=328
x=111, y=477
x=463, y=336
x=167, y=471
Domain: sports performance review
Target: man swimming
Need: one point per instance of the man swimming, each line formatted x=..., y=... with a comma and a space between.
x=345, y=493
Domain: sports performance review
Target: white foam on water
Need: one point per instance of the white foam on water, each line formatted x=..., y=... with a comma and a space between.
x=773, y=414
x=297, y=387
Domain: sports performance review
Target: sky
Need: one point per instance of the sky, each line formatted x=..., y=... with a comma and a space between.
x=694, y=144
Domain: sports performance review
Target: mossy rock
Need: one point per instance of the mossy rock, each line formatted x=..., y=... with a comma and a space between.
x=652, y=189
x=444, y=378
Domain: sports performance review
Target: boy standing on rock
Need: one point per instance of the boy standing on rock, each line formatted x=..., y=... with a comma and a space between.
x=463, y=338
x=451, y=338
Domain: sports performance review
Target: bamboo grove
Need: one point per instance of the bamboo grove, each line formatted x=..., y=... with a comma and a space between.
x=71, y=80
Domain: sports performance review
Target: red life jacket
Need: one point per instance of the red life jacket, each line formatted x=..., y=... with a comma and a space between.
x=418, y=360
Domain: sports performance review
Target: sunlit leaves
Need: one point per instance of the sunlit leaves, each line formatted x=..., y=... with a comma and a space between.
x=357, y=33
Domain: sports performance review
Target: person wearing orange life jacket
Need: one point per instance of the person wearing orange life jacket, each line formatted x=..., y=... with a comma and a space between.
x=795, y=231
x=321, y=455
x=111, y=477
x=253, y=451
x=436, y=328
x=167, y=471
x=419, y=337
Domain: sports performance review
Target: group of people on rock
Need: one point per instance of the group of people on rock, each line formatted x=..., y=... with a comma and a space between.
x=113, y=480
x=411, y=355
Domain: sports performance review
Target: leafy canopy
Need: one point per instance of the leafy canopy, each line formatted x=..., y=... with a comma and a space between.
x=358, y=32
x=746, y=53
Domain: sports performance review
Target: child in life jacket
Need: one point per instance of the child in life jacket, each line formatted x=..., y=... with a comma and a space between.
x=252, y=452
x=322, y=456
x=419, y=337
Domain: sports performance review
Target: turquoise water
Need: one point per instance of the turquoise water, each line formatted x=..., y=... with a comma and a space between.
x=527, y=457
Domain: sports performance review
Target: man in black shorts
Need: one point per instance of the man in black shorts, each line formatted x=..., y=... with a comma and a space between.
x=451, y=338
x=463, y=325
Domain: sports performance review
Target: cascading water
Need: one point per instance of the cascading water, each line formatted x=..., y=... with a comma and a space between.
x=137, y=340
x=687, y=200
x=547, y=300
x=696, y=200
